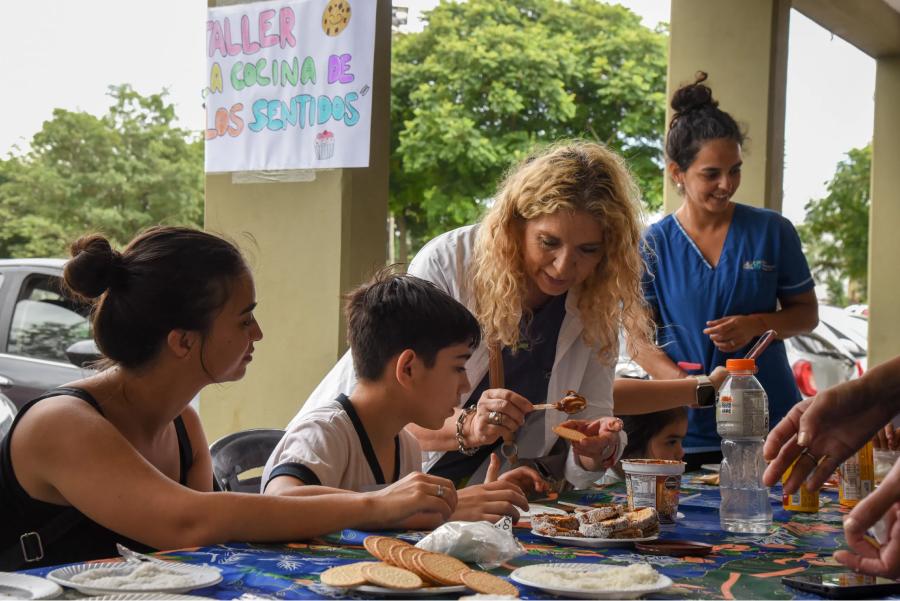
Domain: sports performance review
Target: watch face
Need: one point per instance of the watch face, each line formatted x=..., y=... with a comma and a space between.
x=706, y=395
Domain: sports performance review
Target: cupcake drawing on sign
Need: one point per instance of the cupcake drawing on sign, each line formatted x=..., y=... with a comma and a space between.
x=324, y=145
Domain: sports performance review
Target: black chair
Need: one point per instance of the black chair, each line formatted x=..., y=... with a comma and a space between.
x=237, y=453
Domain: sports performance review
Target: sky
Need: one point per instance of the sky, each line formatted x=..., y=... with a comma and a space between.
x=67, y=53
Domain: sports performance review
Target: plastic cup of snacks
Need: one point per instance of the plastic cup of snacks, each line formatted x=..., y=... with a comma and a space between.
x=654, y=483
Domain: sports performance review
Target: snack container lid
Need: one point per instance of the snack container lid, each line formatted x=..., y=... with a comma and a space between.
x=658, y=467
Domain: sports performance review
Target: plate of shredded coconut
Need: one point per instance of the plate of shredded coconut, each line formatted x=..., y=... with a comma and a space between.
x=592, y=581
x=135, y=577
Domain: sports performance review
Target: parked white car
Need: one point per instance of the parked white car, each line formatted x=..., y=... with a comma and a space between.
x=851, y=331
x=818, y=362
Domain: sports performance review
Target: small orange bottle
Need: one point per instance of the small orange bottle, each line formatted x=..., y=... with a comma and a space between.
x=802, y=500
x=857, y=476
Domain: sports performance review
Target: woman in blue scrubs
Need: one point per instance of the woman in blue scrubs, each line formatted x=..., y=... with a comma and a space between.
x=721, y=273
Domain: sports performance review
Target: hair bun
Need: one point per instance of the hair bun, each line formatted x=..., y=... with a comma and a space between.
x=693, y=96
x=93, y=268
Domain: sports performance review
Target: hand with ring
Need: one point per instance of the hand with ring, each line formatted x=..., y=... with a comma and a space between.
x=599, y=450
x=827, y=429
x=414, y=502
x=733, y=332
x=499, y=413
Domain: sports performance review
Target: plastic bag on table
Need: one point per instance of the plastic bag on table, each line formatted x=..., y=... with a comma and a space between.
x=483, y=543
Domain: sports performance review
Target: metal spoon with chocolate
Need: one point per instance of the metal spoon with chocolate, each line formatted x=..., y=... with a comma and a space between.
x=571, y=403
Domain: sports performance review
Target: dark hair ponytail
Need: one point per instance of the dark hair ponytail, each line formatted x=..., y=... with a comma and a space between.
x=697, y=118
x=167, y=278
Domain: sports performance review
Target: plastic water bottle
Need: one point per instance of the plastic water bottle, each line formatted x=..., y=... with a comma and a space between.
x=742, y=420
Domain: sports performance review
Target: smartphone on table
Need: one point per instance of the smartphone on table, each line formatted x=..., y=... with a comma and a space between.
x=844, y=585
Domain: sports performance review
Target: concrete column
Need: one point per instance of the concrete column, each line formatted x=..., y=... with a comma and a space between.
x=743, y=47
x=308, y=243
x=884, y=216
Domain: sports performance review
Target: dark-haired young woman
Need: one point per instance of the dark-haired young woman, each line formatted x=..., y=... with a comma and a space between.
x=721, y=273
x=121, y=456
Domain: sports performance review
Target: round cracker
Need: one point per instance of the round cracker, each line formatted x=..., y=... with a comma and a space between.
x=442, y=568
x=388, y=576
x=384, y=546
x=393, y=555
x=406, y=556
x=488, y=584
x=369, y=543
x=347, y=575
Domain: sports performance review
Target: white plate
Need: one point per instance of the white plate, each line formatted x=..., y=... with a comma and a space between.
x=711, y=467
x=142, y=597
x=200, y=577
x=416, y=592
x=584, y=541
x=521, y=576
x=31, y=587
x=534, y=509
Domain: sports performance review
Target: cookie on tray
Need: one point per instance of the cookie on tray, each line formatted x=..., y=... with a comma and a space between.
x=441, y=568
x=628, y=533
x=601, y=513
x=388, y=576
x=643, y=518
x=348, y=575
x=488, y=584
x=568, y=521
x=604, y=529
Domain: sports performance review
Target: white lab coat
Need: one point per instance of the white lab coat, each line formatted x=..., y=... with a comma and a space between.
x=444, y=261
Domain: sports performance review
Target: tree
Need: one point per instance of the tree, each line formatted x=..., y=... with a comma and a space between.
x=835, y=232
x=488, y=79
x=116, y=174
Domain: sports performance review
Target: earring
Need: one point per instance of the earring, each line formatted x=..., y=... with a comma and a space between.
x=680, y=186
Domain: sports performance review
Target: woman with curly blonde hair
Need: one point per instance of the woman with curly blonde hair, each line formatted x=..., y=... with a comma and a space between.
x=552, y=272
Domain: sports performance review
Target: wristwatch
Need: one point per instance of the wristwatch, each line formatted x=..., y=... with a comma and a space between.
x=706, y=392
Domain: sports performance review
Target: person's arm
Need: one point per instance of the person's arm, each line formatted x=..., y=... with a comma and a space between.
x=491, y=500
x=70, y=454
x=883, y=504
x=658, y=364
x=832, y=426
x=289, y=486
x=798, y=314
x=635, y=397
x=477, y=429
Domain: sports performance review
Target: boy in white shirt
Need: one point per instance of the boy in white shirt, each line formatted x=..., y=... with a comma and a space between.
x=410, y=342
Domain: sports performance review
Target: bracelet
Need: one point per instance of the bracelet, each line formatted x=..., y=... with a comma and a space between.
x=460, y=439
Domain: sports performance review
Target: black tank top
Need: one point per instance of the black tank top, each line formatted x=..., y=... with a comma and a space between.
x=19, y=513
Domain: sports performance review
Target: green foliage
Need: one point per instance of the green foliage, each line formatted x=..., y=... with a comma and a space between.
x=835, y=232
x=488, y=79
x=116, y=174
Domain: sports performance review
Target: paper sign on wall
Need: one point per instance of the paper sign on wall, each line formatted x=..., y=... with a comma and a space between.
x=289, y=85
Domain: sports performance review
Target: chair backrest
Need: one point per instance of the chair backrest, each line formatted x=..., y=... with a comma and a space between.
x=237, y=453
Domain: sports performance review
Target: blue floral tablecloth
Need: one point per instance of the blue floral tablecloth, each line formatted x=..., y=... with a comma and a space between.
x=740, y=566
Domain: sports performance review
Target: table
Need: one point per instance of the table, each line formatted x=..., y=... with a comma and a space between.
x=740, y=567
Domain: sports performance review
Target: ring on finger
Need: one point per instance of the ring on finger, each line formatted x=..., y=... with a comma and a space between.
x=495, y=417
x=440, y=491
x=806, y=453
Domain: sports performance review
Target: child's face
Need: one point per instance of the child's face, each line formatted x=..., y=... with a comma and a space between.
x=667, y=442
x=441, y=386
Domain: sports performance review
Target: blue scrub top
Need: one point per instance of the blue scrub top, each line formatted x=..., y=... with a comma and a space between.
x=761, y=261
